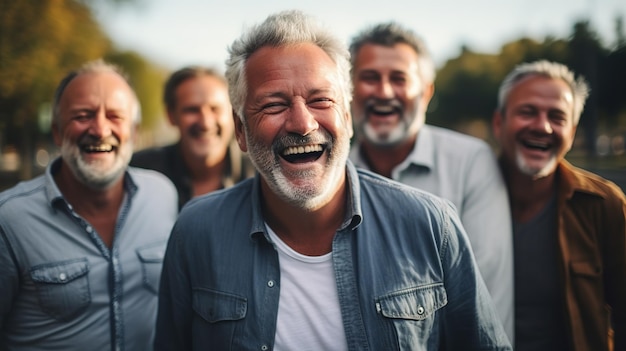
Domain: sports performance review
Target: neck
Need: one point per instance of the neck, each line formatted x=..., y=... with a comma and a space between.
x=528, y=195
x=206, y=174
x=98, y=207
x=309, y=232
x=383, y=160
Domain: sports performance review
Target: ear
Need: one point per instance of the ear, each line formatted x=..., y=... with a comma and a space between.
x=571, y=143
x=134, y=130
x=348, y=122
x=429, y=91
x=496, y=124
x=171, y=116
x=56, y=133
x=240, y=133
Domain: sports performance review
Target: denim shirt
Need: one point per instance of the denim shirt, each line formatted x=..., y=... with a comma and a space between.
x=463, y=170
x=62, y=287
x=406, y=276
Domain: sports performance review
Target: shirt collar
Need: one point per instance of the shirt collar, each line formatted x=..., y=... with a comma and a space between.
x=54, y=195
x=351, y=220
x=421, y=155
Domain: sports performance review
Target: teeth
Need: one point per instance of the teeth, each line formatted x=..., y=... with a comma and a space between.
x=293, y=150
x=383, y=109
x=537, y=144
x=99, y=148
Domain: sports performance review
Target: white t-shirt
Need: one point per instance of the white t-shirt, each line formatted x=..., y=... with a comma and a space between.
x=309, y=315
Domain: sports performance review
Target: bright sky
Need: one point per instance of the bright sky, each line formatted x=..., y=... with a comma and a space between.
x=175, y=33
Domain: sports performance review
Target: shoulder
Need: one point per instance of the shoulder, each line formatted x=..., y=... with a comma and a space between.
x=583, y=181
x=152, y=181
x=461, y=143
x=394, y=196
x=24, y=189
x=465, y=153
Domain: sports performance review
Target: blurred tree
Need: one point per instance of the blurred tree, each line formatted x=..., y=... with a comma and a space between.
x=612, y=79
x=466, y=86
x=464, y=89
x=39, y=42
x=586, y=55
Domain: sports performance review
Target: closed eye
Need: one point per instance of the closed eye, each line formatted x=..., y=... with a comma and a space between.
x=274, y=108
x=323, y=103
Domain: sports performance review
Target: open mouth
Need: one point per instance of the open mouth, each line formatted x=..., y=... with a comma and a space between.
x=303, y=153
x=536, y=145
x=91, y=149
x=383, y=110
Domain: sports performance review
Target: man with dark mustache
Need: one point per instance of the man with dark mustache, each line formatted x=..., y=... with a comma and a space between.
x=206, y=156
x=313, y=254
x=81, y=246
x=393, y=77
x=569, y=224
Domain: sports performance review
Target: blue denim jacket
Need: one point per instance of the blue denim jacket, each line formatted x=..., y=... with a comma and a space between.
x=405, y=274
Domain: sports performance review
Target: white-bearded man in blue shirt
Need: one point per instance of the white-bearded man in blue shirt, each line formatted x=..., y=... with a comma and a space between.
x=81, y=247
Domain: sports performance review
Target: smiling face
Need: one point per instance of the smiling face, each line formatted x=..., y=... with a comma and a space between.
x=203, y=116
x=295, y=130
x=390, y=98
x=536, y=128
x=95, y=128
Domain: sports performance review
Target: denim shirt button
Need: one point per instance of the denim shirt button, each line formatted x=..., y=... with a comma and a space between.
x=271, y=285
x=420, y=310
x=264, y=348
x=62, y=277
x=89, y=229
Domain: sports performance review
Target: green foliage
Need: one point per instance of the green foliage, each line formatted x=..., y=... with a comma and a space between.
x=466, y=87
x=40, y=42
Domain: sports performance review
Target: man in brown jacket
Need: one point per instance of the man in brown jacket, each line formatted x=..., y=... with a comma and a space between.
x=569, y=225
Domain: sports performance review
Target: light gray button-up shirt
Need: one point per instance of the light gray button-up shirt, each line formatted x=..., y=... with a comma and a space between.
x=61, y=287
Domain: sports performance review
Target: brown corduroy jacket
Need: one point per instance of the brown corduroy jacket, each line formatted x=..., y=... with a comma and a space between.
x=592, y=242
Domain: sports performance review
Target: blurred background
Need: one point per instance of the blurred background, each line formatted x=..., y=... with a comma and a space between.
x=474, y=44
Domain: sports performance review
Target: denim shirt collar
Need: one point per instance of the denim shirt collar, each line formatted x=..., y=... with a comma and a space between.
x=353, y=216
x=54, y=195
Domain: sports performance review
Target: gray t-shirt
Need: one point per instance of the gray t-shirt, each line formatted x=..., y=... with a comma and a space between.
x=539, y=303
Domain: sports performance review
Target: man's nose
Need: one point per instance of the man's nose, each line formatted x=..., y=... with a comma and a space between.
x=384, y=89
x=542, y=123
x=100, y=125
x=300, y=120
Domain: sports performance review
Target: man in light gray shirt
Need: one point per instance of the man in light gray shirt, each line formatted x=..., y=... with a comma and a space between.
x=81, y=247
x=393, y=77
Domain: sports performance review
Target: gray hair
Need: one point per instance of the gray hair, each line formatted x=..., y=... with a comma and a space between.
x=282, y=29
x=547, y=69
x=390, y=34
x=96, y=66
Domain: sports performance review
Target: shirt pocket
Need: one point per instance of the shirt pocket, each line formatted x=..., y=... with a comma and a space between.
x=413, y=314
x=220, y=313
x=62, y=287
x=216, y=306
x=151, y=259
